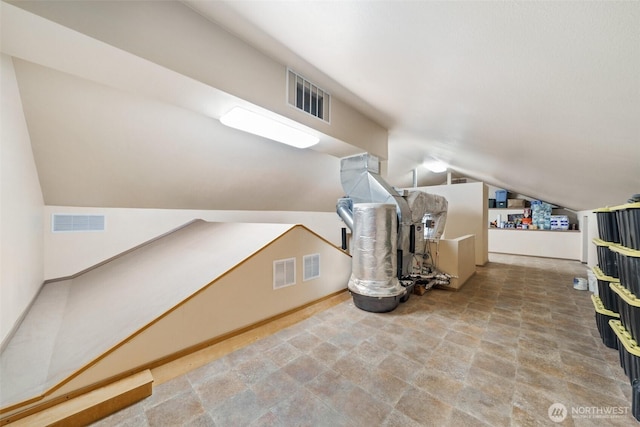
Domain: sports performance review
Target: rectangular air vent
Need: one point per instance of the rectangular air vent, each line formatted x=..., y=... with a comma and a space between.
x=62, y=223
x=311, y=267
x=307, y=97
x=284, y=273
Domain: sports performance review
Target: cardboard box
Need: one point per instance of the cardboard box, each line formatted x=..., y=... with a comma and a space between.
x=516, y=203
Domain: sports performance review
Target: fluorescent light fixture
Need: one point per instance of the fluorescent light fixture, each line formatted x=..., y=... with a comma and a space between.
x=257, y=124
x=435, y=166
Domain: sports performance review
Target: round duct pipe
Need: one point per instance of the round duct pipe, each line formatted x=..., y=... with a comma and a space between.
x=374, y=284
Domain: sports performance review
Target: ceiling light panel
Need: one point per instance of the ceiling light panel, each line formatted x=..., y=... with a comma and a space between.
x=257, y=124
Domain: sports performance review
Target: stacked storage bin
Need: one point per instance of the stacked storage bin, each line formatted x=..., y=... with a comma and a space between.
x=606, y=272
x=628, y=220
x=501, y=198
x=629, y=361
x=603, y=317
x=606, y=294
x=619, y=257
x=629, y=310
x=607, y=260
x=607, y=225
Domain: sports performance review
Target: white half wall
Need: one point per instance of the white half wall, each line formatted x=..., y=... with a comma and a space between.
x=540, y=243
x=66, y=254
x=21, y=203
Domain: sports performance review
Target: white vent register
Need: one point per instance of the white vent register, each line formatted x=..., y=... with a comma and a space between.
x=311, y=267
x=64, y=223
x=284, y=273
x=305, y=96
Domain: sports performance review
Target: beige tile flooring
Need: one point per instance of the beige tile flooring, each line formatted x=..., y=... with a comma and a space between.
x=516, y=339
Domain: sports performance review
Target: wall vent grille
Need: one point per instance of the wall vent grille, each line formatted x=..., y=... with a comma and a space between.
x=284, y=273
x=305, y=96
x=64, y=223
x=311, y=267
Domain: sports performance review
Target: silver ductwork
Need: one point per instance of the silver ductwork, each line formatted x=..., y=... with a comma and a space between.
x=362, y=183
x=344, y=208
x=419, y=217
x=374, y=283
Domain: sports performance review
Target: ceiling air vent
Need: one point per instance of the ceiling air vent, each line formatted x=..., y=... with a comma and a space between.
x=284, y=273
x=306, y=96
x=311, y=267
x=61, y=223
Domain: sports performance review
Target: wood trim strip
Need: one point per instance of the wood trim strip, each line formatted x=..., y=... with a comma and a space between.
x=323, y=239
x=94, y=405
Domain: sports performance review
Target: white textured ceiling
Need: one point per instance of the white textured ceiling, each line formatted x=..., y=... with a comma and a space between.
x=541, y=98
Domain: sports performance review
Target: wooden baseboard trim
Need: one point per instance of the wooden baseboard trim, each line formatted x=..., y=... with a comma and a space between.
x=94, y=405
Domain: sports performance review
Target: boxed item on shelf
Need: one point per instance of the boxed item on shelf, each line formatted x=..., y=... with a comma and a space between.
x=541, y=215
x=628, y=266
x=606, y=294
x=602, y=321
x=501, y=195
x=628, y=222
x=607, y=260
x=559, y=222
x=607, y=225
x=629, y=309
x=516, y=203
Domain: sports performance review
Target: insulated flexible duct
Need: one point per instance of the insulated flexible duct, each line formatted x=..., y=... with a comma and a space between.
x=374, y=251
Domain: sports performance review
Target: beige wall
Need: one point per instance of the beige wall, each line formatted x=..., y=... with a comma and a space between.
x=21, y=203
x=467, y=214
x=66, y=254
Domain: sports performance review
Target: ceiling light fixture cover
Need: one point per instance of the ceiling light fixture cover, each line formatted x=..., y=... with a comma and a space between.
x=248, y=121
x=436, y=166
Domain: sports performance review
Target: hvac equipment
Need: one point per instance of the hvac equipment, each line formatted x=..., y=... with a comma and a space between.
x=390, y=235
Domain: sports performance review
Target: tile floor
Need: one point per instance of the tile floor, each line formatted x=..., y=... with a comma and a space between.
x=514, y=340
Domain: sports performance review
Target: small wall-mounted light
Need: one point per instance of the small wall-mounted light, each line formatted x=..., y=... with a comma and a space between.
x=257, y=124
x=436, y=166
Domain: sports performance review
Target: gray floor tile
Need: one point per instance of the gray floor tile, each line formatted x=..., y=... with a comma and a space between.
x=514, y=340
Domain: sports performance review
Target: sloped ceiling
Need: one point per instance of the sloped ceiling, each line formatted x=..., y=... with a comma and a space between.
x=540, y=98
x=124, y=150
